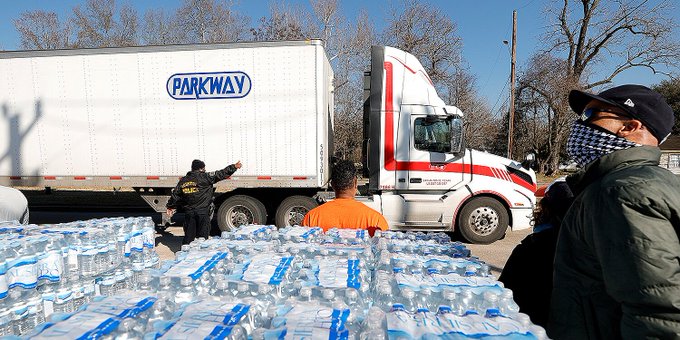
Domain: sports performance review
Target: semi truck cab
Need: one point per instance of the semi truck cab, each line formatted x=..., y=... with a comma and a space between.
x=421, y=175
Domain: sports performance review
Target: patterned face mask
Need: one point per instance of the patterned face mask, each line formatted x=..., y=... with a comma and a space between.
x=587, y=143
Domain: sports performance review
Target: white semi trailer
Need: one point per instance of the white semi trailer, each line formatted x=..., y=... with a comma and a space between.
x=136, y=117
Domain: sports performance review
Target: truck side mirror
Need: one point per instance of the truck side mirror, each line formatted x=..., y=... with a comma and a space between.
x=457, y=141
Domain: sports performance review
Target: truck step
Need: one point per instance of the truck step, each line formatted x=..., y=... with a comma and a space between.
x=421, y=226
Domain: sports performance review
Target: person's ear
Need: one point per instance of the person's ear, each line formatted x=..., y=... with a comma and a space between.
x=629, y=127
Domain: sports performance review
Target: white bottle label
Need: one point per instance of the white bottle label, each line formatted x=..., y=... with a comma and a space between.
x=73, y=259
x=137, y=242
x=148, y=238
x=23, y=273
x=4, y=286
x=51, y=267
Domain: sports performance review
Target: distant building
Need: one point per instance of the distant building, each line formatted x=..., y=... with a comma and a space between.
x=670, y=154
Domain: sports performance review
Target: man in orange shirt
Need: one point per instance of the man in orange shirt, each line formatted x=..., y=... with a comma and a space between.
x=344, y=211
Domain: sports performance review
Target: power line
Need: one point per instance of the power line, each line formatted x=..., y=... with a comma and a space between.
x=500, y=95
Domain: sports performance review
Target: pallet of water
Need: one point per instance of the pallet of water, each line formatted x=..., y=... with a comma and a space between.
x=59, y=267
x=257, y=282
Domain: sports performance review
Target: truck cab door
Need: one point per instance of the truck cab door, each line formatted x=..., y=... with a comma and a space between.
x=435, y=166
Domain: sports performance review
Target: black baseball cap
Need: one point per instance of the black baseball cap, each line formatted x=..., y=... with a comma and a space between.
x=639, y=102
x=197, y=164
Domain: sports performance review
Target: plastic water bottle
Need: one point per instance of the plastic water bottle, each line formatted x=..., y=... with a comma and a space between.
x=144, y=283
x=488, y=303
x=507, y=304
x=23, y=275
x=449, y=299
x=265, y=298
x=186, y=291
x=63, y=301
x=165, y=285
x=328, y=298
x=305, y=295
x=5, y=322
x=102, y=259
x=383, y=299
x=466, y=301
x=424, y=299
x=408, y=299
x=242, y=291
x=35, y=313
x=128, y=329
x=356, y=310
x=204, y=284
x=122, y=279
x=86, y=255
x=107, y=286
x=51, y=262
x=523, y=319
x=222, y=291
x=538, y=331
x=470, y=270
x=484, y=270
x=375, y=327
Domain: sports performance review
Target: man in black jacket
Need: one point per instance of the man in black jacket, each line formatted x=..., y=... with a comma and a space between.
x=194, y=192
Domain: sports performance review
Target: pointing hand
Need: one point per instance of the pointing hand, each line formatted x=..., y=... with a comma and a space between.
x=238, y=165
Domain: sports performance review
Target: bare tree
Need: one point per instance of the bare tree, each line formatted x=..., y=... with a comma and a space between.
x=543, y=100
x=480, y=126
x=210, y=21
x=98, y=24
x=284, y=22
x=41, y=30
x=670, y=89
x=590, y=42
x=352, y=58
x=429, y=34
x=159, y=28
x=613, y=36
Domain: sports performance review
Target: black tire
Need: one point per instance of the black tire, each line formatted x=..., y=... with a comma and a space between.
x=239, y=210
x=483, y=220
x=293, y=209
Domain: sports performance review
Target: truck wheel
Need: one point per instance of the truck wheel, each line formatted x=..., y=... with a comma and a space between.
x=239, y=210
x=293, y=209
x=483, y=220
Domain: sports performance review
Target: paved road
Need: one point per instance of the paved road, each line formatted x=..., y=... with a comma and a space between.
x=79, y=206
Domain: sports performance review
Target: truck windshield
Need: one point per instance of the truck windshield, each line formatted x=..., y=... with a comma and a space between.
x=432, y=136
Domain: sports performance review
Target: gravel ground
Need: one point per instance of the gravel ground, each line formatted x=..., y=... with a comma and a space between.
x=497, y=253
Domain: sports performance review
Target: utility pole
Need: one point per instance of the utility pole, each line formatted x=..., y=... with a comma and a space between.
x=511, y=115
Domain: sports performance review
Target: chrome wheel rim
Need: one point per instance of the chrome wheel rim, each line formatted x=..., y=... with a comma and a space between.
x=239, y=215
x=484, y=220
